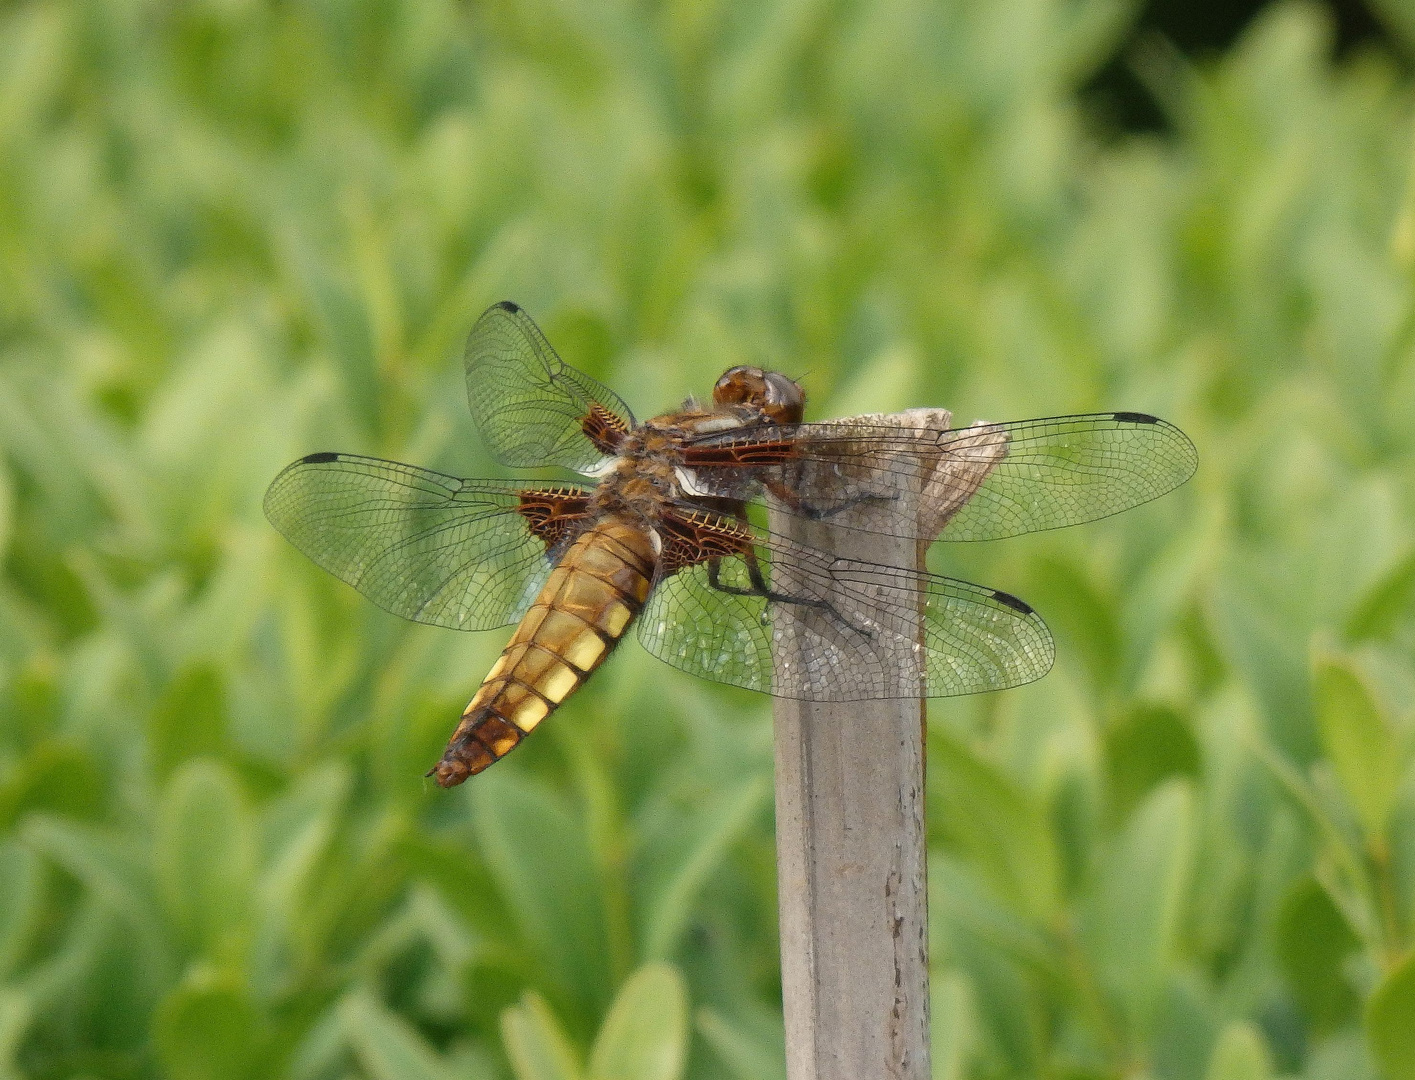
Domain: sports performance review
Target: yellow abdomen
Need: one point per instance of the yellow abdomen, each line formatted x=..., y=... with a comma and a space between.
x=579, y=616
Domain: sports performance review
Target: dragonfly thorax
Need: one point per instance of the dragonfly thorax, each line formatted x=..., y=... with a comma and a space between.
x=640, y=487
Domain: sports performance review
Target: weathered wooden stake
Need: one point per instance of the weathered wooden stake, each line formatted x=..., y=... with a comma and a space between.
x=853, y=890
x=850, y=841
x=851, y=862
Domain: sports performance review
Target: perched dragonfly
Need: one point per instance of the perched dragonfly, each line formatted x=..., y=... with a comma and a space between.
x=664, y=539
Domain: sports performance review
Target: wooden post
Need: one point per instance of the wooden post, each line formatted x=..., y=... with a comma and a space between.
x=851, y=865
x=851, y=854
x=852, y=882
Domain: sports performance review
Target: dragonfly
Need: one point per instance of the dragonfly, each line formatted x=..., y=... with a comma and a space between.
x=666, y=534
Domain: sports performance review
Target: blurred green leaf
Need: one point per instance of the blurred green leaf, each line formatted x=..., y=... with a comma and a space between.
x=534, y=1042
x=1083, y=616
x=1388, y=1021
x=1360, y=741
x=1255, y=638
x=645, y=1034
x=21, y=892
x=115, y=872
x=1171, y=579
x=1402, y=854
x=7, y=508
x=1185, y=1028
x=537, y=854
x=386, y=1046
x=205, y=856
x=297, y=830
x=952, y=1027
x=188, y=720
x=699, y=847
x=57, y=778
x=35, y=66
x=973, y=910
x=1240, y=1054
x=207, y=1029
x=235, y=232
x=885, y=383
x=1140, y=894
x=981, y=815
x=1386, y=603
x=1313, y=942
x=1148, y=745
x=1399, y=16
x=744, y=1056
x=16, y=1012
x=1005, y=958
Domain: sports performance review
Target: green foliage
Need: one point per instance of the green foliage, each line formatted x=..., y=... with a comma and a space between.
x=538, y=1049
x=1360, y=741
x=1313, y=945
x=207, y=1029
x=236, y=231
x=644, y=1036
x=1392, y=1035
x=645, y=1032
x=1239, y=1054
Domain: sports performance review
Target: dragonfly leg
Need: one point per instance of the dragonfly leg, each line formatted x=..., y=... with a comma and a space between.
x=759, y=585
x=761, y=588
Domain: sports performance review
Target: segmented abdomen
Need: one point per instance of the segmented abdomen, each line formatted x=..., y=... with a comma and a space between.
x=580, y=614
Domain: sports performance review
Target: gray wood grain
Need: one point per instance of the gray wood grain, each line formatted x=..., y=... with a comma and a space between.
x=851, y=854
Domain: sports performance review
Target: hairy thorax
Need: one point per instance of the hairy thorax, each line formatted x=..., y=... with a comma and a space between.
x=647, y=477
x=642, y=483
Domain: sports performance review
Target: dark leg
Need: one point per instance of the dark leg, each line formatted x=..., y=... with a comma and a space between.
x=759, y=585
x=760, y=588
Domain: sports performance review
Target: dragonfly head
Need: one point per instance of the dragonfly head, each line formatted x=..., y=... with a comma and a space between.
x=769, y=392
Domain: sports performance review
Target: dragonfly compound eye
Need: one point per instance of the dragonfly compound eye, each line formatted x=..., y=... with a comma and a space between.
x=774, y=394
x=740, y=386
x=785, y=400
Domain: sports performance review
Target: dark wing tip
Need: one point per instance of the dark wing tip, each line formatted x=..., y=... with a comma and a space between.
x=318, y=459
x=509, y=307
x=1011, y=601
x=1136, y=418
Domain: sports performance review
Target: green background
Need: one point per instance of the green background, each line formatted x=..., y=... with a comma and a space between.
x=233, y=232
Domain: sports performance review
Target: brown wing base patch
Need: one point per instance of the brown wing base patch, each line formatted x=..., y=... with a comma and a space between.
x=554, y=514
x=692, y=537
x=741, y=455
x=604, y=428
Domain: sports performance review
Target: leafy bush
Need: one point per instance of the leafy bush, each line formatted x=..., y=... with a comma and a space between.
x=232, y=232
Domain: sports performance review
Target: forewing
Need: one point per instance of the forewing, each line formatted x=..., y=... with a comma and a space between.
x=431, y=548
x=530, y=405
x=982, y=482
x=848, y=631
x=1071, y=469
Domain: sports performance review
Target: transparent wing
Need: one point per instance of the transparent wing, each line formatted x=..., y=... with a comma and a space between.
x=431, y=548
x=841, y=629
x=1071, y=469
x=530, y=405
x=983, y=482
